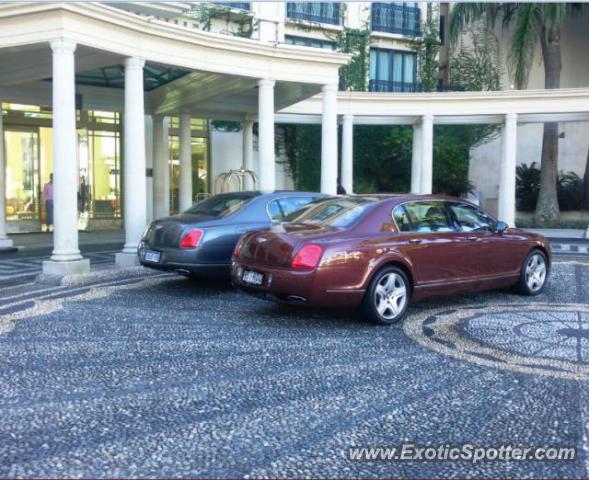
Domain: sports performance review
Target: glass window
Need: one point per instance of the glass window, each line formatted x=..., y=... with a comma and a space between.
x=427, y=217
x=200, y=168
x=274, y=211
x=221, y=205
x=392, y=71
x=290, y=205
x=402, y=219
x=309, y=42
x=340, y=213
x=472, y=219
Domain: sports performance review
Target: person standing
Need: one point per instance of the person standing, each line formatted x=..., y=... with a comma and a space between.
x=47, y=198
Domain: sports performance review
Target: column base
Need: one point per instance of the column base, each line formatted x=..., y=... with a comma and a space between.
x=126, y=259
x=51, y=267
x=7, y=245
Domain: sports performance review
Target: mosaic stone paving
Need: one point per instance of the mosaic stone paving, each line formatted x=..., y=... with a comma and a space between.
x=160, y=376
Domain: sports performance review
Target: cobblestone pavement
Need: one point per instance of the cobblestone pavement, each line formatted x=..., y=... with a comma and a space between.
x=161, y=376
x=17, y=269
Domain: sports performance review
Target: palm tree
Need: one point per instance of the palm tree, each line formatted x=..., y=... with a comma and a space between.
x=532, y=23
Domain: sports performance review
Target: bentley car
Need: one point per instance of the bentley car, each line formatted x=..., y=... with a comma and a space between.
x=378, y=253
x=200, y=240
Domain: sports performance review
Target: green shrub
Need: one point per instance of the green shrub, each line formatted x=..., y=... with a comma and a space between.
x=569, y=189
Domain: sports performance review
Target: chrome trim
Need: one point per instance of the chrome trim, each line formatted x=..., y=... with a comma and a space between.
x=468, y=280
x=349, y=290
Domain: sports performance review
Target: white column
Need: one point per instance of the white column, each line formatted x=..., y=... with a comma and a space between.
x=416, y=159
x=5, y=242
x=329, y=140
x=185, y=178
x=149, y=166
x=161, y=168
x=134, y=200
x=266, y=135
x=248, y=149
x=427, y=152
x=506, y=201
x=347, y=173
x=66, y=256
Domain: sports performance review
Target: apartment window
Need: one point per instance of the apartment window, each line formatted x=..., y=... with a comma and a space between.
x=238, y=5
x=392, y=71
x=309, y=42
x=398, y=17
x=320, y=12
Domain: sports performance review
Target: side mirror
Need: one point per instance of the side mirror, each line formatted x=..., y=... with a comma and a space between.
x=500, y=227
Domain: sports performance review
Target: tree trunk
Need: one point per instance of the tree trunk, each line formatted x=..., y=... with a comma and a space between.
x=547, y=210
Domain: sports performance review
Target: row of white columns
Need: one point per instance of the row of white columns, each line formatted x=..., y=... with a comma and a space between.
x=422, y=161
x=66, y=257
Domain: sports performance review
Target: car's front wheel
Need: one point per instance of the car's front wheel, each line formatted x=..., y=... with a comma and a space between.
x=534, y=273
x=387, y=297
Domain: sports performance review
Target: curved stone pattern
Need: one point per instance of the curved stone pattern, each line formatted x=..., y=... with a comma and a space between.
x=539, y=339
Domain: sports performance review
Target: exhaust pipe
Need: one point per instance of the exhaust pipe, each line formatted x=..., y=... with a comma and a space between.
x=296, y=299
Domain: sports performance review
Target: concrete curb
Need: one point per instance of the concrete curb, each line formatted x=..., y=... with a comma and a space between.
x=77, y=280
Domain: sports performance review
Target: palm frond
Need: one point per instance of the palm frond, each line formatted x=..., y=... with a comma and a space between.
x=553, y=14
x=528, y=25
x=464, y=14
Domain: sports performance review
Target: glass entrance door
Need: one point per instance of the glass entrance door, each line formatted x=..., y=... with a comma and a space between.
x=23, y=181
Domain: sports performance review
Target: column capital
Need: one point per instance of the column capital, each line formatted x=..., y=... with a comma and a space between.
x=429, y=117
x=266, y=83
x=348, y=117
x=63, y=45
x=511, y=116
x=134, y=62
x=329, y=88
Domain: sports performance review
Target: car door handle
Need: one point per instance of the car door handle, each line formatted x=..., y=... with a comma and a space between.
x=472, y=239
x=415, y=240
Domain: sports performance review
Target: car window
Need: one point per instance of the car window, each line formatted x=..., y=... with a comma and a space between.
x=472, y=219
x=427, y=217
x=274, y=211
x=340, y=212
x=292, y=204
x=220, y=205
x=402, y=219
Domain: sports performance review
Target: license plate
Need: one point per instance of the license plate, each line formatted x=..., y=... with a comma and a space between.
x=151, y=256
x=253, y=278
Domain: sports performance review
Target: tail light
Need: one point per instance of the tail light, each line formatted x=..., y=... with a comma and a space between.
x=237, y=247
x=191, y=239
x=307, y=258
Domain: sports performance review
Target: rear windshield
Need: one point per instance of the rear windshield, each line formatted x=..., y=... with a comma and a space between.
x=220, y=205
x=339, y=212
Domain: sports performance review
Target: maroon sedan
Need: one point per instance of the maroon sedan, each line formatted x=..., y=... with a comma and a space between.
x=378, y=252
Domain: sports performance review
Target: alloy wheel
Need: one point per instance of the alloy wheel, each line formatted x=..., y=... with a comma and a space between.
x=390, y=296
x=535, y=273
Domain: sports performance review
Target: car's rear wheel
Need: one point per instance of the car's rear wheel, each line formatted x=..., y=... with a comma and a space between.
x=387, y=296
x=534, y=273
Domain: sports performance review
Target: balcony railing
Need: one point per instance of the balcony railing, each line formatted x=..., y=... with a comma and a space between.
x=319, y=12
x=400, y=87
x=238, y=5
x=393, y=18
x=390, y=86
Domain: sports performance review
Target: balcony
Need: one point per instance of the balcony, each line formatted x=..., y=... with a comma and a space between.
x=403, y=87
x=392, y=86
x=394, y=18
x=237, y=5
x=318, y=12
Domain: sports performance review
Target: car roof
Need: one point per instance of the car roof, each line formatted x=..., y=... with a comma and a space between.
x=404, y=197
